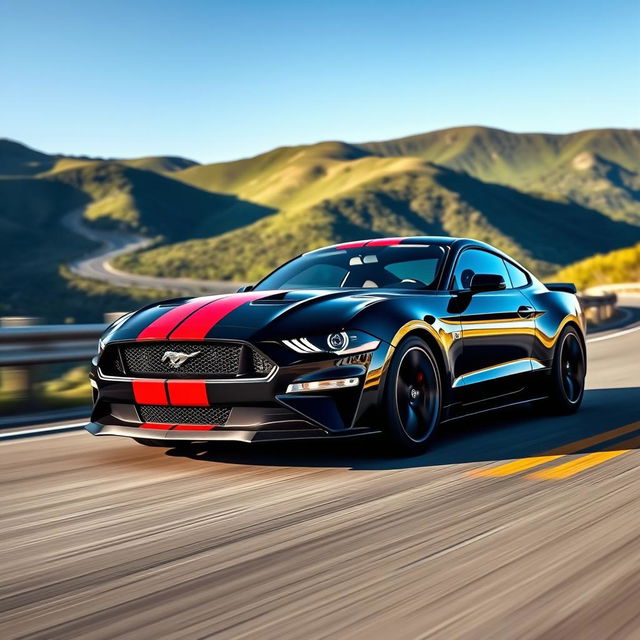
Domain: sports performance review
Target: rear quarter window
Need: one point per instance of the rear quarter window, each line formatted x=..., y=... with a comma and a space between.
x=518, y=277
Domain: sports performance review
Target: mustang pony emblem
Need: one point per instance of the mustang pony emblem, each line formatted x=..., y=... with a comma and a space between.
x=177, y=358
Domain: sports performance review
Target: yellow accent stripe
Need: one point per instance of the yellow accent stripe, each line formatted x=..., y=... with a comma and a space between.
x=553, y=454
x=572, y=467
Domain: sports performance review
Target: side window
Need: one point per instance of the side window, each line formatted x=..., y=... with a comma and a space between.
x=474, y=261
x=518, y=277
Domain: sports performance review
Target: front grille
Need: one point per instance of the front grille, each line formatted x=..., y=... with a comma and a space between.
x=215, y=416
x=261, y=365
x=203, y=360
x=209, y=358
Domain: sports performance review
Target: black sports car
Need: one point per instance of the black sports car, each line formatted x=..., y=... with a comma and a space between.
x=394, y=336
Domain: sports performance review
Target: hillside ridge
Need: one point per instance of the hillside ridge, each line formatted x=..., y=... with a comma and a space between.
x=547, y=199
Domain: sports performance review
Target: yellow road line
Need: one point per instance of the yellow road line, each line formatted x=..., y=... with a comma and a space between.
x=513, y=467
x=573, y=467
x=571, y=447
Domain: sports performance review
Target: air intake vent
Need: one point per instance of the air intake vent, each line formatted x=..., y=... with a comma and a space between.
x=214, y=416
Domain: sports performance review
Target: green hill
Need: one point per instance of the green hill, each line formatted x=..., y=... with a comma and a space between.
x=550, y=200
x=502, y=156
x=425, y=200
x=155, y=204
x=570, y=165
x=19, y=160
x=160, y=164
x=34, y=244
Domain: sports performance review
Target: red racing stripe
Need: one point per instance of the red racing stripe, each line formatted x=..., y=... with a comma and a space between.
x=155, y=425
x=384, y=242
x=161, y=327
x=188, y=393
x=150, y=392
x=197, y=325
x=351, y=245
x=194, y=427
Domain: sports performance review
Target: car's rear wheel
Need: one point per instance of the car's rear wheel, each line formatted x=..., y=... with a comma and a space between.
x=566, y=382
x=166, y=444
x=412, y=398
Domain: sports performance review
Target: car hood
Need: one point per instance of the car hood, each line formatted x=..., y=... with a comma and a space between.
x=251, y=316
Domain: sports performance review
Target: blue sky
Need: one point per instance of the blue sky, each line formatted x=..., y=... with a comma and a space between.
x=221, y=80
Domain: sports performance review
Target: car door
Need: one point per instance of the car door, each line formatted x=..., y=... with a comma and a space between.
x=497, y=331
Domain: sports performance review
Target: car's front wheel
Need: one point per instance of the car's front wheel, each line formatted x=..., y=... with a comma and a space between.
x=412, y=398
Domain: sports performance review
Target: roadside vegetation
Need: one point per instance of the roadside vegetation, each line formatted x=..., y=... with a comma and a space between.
x=622, y=265
x=56, y=387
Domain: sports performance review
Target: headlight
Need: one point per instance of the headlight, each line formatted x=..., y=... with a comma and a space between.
x=340, y=343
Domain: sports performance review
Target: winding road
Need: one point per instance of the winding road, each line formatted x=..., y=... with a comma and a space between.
x=97, y=265
x=516, y=525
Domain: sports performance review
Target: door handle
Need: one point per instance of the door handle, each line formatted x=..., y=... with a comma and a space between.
x=525, y=312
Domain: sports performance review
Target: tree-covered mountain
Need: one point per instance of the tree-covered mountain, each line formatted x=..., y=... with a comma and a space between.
x=550, y=200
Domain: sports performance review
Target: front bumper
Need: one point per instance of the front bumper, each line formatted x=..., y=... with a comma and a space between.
x=258, y=410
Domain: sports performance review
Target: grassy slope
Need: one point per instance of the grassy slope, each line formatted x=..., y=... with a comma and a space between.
x=249, y=215
x=159, y=164
x=502, y=156
x=423, y=200
x=19, y=160
x=598, y=168
x=331, y=191
x=37, y=190
x=155, y=204
x=33, y=245
x=622, y=265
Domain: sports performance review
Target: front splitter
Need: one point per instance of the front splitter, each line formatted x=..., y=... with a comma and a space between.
x=220, y=435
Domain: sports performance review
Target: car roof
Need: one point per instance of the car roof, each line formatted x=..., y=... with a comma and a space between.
x=430, y=240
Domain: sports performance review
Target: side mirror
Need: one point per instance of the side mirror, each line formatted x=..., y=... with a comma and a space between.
x=487, y=282
x=245, y=287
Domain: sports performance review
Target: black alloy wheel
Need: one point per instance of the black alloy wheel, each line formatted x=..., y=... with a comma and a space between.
x=572, y=368
x=568, y=372
x=413, y=397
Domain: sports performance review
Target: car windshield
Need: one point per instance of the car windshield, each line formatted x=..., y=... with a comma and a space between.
x=395, y=267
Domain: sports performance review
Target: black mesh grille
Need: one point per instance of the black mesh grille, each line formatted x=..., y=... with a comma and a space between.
x=214, y=416
x=192, y=359
x=162, y=357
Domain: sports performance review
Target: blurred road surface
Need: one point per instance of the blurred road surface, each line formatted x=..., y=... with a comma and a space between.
x=513, y=526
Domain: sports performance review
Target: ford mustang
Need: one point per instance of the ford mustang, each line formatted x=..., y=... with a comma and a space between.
x=390, y=336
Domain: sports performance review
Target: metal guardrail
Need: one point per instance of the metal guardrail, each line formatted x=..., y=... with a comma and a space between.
x=48, y=344
x=598, y=309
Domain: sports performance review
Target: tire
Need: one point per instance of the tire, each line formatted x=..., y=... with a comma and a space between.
x=166, y=444
x=566, y=382
x=412, y=398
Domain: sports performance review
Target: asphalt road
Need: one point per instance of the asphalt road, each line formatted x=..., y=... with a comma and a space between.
x=513, y=526
x=97, y=265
